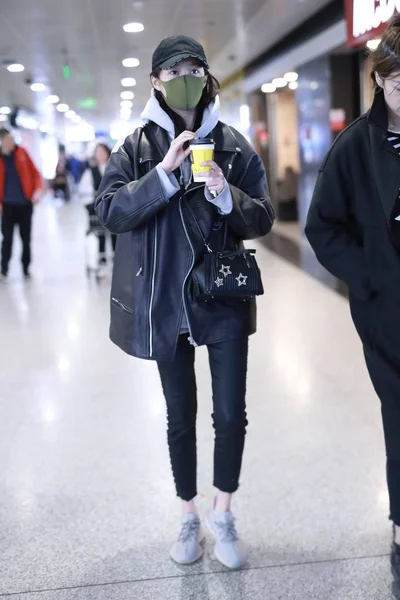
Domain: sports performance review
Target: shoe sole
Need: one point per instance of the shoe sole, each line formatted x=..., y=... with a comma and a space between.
x=198, y=557
x=216, y=554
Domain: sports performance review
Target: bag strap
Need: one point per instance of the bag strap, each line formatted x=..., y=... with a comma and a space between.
x=205, y=241
x=152, y=137
x=203, y=237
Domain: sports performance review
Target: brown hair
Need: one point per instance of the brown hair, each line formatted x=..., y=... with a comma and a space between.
x=105, y=148
x=4, y=133
x=210, y=91
x=386, y=58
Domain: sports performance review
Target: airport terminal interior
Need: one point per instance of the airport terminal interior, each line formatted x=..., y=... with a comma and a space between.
x=88, y=507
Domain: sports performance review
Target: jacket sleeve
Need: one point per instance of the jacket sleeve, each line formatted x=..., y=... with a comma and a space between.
x=252, y=213
x=36, y=176
x=328, y=227
x=123, y=204
x=223, y=201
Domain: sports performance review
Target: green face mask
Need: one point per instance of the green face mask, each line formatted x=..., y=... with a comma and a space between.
x=183, y=93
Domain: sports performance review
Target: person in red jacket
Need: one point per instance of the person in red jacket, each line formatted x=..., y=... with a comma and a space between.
x=20, y=188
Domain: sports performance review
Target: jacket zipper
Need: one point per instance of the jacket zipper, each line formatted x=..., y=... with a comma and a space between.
x=191, y=339
x=230, y=166
x=140, y=256
x=121, y=305
x=152, y=289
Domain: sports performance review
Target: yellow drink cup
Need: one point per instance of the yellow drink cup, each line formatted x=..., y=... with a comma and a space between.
x=202, y=151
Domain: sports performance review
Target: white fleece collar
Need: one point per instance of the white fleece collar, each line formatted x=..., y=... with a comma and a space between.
x=154, y=112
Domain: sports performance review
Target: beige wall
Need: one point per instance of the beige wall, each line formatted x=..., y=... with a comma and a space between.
x=286, y=135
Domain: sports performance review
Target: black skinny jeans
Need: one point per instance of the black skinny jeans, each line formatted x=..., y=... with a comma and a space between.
x=385, y=375
x=228, y=364
x=21, y=215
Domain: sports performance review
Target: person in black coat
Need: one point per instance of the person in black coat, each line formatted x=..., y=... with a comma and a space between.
x=163, y=218
x=88, y=188
x=354, y=227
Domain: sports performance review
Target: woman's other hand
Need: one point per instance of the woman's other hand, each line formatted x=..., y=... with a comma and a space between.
x=176, y=154
x=216, y=182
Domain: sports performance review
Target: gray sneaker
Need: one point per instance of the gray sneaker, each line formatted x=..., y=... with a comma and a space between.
x=229, y=550
x=188, y=549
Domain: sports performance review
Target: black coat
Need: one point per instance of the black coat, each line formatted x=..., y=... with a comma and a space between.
x=351, y=226
x=160, y=243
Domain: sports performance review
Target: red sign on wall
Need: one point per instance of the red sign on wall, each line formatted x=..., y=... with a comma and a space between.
x=337, y=119
x=367, y=19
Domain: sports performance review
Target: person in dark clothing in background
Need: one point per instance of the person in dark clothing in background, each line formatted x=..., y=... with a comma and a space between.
x=60, y=182
x=88, y=188
x=75, y=168
x=21, y=187
x=354, y=228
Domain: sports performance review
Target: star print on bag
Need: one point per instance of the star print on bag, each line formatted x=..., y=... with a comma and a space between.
x=218, y=282
x=225, y=270
x=241, y=279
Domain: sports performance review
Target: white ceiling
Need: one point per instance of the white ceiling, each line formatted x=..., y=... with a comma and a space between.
x=45, y=34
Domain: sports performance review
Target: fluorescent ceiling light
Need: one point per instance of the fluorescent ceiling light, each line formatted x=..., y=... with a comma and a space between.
x=15, y=68
x=5, y=110
x=126, y=104
x=29, y=123
x=280, y=82
x=268, y=88
x=3, y=118
x=52, y=99
x=133, y=27
x=292, y=76
x=127, y=95
x=38, y=87
x=128, y=82
x=293, y=85
x=131, y=62
x=373, y=44
x=62, y=108
x=70, y=114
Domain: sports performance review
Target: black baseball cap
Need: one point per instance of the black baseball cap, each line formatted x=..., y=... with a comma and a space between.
x=176, y=48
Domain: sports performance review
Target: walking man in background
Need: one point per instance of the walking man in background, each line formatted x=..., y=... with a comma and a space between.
x=20, y=188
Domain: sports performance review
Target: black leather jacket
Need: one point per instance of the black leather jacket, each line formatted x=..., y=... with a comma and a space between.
x=159, y=243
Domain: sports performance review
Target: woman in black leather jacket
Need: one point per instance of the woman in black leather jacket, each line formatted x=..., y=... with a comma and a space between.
x=147, y=197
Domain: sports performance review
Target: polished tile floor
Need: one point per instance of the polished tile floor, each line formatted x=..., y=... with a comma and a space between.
x=87, y=504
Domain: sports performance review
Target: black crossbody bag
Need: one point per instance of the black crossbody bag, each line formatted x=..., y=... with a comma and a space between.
x=228, y=274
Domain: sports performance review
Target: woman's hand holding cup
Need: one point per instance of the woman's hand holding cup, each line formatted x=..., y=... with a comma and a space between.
x=176, y=154
x=216, y=181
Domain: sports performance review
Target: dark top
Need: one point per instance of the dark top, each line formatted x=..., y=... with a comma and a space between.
x=97, y=177
x=352, y=227
x=13, y=192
